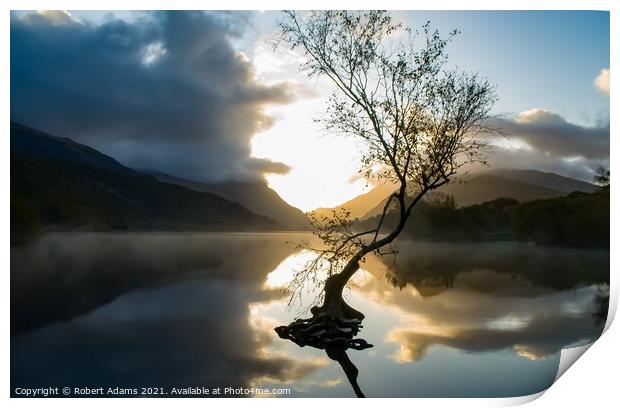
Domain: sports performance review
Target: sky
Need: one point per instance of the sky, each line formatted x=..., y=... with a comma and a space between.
x=205, y=96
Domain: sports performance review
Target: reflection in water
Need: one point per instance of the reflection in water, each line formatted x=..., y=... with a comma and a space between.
x=65, y=275
x=332, y=334
x=199, y=309
x=182, y=322
x=339, y=354
x=329, y=330
x=502, y=297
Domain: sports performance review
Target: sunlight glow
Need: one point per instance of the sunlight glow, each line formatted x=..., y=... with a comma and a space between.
x=323, y=167
x=282, y=275
x=285, y=271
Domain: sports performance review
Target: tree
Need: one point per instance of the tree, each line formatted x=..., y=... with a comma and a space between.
x=419, y=123
x=601, y=177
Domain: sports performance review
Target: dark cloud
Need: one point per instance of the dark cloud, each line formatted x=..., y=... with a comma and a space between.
x=576, y=167
x=551, y=134
x=167, y=91
x=543, y=140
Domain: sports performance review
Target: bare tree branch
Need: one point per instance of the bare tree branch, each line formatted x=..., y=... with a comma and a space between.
x=419, y=123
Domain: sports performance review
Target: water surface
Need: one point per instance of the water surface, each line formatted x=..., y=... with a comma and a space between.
x=164, y=310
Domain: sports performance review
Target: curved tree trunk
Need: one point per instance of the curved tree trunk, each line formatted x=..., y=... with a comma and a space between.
x=334, y=324
x=333, y=303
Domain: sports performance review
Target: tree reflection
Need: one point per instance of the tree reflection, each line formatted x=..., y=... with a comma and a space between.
x=335, y=336
x=340, y=355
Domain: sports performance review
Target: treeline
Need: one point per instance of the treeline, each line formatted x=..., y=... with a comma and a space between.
x=576, y=220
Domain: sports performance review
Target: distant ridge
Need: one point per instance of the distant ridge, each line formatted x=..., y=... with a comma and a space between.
x=31, y=142
x=545, y=179
x=361, y=204
x=63, y=185
x=521, y=185
x=255, y=196
x=487, y=187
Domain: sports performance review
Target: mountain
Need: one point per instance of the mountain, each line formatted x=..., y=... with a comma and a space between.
x=361, y=204
x=547, y=180
x=255, y=196
x=57, y=183
x=486, y=187
x=521, y=185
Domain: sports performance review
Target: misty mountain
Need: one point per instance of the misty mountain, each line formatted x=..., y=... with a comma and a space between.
x=487, y=187
x=521, y=185
x=361, y=204
x=547, y=180
x=255, y=196
x=59, y=184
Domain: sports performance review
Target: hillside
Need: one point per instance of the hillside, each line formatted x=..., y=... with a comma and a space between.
x=255, y=196
x=547, y=180
x=361, y=204
x=486, y=187
x=59, y=184
x=576, y=219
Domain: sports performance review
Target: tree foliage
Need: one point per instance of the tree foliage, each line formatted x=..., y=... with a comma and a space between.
x=601, y=177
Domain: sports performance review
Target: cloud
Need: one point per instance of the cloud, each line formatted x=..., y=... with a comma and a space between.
x=602, y=81
x=527, y=158
x=544, y=140
x=540, y=116
x=551, y=134
x=53, y=17
x=166, y=91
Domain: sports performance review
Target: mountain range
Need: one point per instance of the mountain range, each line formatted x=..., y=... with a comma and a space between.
x=256, y=196
x=521, y=185
x=59, y=184
x=63, y=185
x=359, y=206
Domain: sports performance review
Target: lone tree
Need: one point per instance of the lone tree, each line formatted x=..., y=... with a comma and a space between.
x=418, y=122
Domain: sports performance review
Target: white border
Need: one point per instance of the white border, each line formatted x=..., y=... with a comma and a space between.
x=592, y=381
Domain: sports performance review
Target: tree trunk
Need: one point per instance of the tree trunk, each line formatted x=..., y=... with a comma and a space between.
x=333, y=303
x=333, y=325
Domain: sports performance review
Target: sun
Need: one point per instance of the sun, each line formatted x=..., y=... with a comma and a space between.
x=323, y=167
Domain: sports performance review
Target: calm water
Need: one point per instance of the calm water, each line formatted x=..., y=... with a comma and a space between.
x=199, y=310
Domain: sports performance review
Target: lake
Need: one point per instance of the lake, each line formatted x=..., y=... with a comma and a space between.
x=180, y=310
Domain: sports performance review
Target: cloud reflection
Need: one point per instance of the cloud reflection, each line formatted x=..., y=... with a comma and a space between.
x=500, y=296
